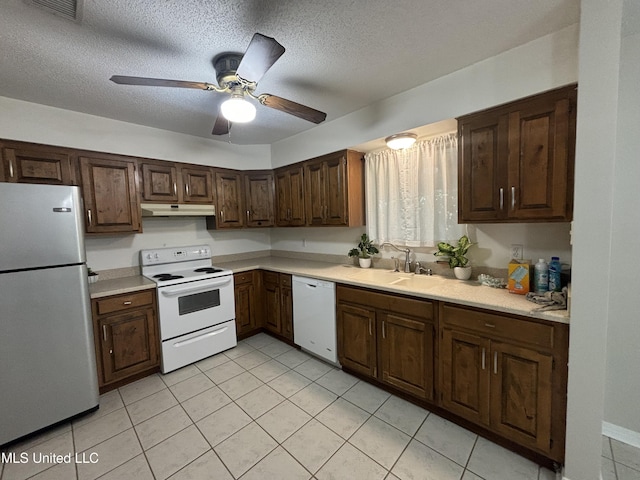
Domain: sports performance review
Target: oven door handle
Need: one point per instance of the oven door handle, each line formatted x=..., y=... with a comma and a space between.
x=201, y=337
x=198, y=287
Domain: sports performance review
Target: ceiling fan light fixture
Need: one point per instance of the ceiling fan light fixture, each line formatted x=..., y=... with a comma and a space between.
x=238, y=110
x=401, y=140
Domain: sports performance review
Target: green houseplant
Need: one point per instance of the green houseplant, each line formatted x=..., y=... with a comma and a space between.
x=364, y=251
x=457, y=256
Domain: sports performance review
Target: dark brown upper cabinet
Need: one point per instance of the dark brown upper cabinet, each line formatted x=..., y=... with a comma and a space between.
x=168, y=182
x=289, y=185
x=516, y=161
x=259, y=198
x=33, y=163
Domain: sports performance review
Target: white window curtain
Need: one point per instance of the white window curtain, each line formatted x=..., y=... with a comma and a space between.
x=412, y=194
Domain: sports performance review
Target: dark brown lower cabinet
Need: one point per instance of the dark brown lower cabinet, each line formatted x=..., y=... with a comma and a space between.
x=507, y=374
x=247, y=300
x=278, y=304
x=126, y=337
x=387, y=337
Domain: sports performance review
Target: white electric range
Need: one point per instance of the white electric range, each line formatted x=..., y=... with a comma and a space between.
x=196, y=306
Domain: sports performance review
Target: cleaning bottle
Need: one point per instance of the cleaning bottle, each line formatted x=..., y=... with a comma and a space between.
x=554, y=275
x=541, y=276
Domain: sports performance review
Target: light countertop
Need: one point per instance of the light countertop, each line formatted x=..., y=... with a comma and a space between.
x=435, y=287
x=116, y=286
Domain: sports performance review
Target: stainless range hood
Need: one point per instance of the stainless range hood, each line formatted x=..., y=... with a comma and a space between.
x=176, y=210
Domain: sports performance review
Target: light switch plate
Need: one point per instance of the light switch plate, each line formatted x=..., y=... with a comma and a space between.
x=517, y=251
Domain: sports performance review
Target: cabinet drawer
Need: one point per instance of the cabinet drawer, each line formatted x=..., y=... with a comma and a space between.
x=270, y=277
x=285, y=280
x=388, y=302
x=242, y=278
x=124, y=302
x=498, y=326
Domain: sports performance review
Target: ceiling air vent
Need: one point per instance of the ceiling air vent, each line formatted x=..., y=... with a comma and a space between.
x=69, y=9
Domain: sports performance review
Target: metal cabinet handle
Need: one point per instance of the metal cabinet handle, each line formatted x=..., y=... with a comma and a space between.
x=370, y=332
x=247, y=215
x=501, y=198
x=513, y=198
x=484, y=352
x=104, y=332
x=490, y=325
x=128, y=302
x=384, y=334
x=495, y=362
x=175, y=188
x=222, y=215
x=10, y=169
x=89, y=217
x=288, y=214
x=186, y=189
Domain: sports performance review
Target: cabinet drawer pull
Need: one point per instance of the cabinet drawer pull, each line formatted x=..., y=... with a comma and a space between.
x=490, y=325
x=128, y=302
x=484, y=355
x=495, y=362
x=89, y=217
x=10, y=169
x=501, y=198
x=513, y=198
x=104, y=332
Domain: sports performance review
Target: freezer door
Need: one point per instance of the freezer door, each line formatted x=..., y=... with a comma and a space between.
x=47, y=357
x=42, y=226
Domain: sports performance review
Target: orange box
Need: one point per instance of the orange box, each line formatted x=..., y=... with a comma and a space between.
x=519, y=280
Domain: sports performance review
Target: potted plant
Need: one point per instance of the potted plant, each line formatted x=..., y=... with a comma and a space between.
x=456, y=255
x=364, y=251
x=93, y=276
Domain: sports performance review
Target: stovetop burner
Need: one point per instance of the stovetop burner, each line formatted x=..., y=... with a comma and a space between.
x=208, y=270
x=167, y=276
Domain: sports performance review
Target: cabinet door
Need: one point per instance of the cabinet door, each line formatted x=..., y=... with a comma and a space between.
x=159, y=182
x=129, y=344
x=229, y=194
x=336, y=191
x=197, y=185
x=357, y=338
x=297, y=211
x=272, y=319
x=109, y=193
x=259, y=194
x=539, y=161
x=38, y=165
x=314, y=193
x=464, y=375
x=286, y=306
x=245, y=308
x=283, y=198
x=406, y=352
x=481, y=168
x=521, y=395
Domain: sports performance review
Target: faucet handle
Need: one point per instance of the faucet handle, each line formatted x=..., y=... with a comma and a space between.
x=417, y=269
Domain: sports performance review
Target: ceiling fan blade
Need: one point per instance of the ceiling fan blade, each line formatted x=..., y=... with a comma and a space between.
x=159, y=82
x=293, y=108
x=221, y=127
x=261, y=54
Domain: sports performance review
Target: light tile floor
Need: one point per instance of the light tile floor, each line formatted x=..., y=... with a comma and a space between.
x=266, y=411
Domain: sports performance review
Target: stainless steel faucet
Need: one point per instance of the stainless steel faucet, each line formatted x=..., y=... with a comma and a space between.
x=407, y=263
x=419, y=269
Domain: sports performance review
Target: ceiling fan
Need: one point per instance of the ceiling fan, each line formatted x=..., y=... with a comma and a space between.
x=238, y=75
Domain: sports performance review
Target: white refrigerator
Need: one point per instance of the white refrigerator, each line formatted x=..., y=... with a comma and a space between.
x=47, y=358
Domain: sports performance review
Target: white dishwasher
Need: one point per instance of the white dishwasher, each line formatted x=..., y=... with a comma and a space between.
x=314, y=316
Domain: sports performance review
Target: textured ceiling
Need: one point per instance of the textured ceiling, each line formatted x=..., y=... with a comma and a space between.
x=341, y=55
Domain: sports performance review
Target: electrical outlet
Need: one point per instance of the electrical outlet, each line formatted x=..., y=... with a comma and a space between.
x=517, y=251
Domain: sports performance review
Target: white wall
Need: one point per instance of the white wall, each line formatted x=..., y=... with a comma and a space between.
x=31, y=122
x=622, y=395
x=123, y=250
x=593, y=280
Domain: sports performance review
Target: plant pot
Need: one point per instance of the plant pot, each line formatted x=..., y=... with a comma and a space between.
x=364, y=262
x=462, y=273
x=93, y=278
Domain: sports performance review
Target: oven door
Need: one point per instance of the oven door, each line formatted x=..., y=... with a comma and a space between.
x=187, y=307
